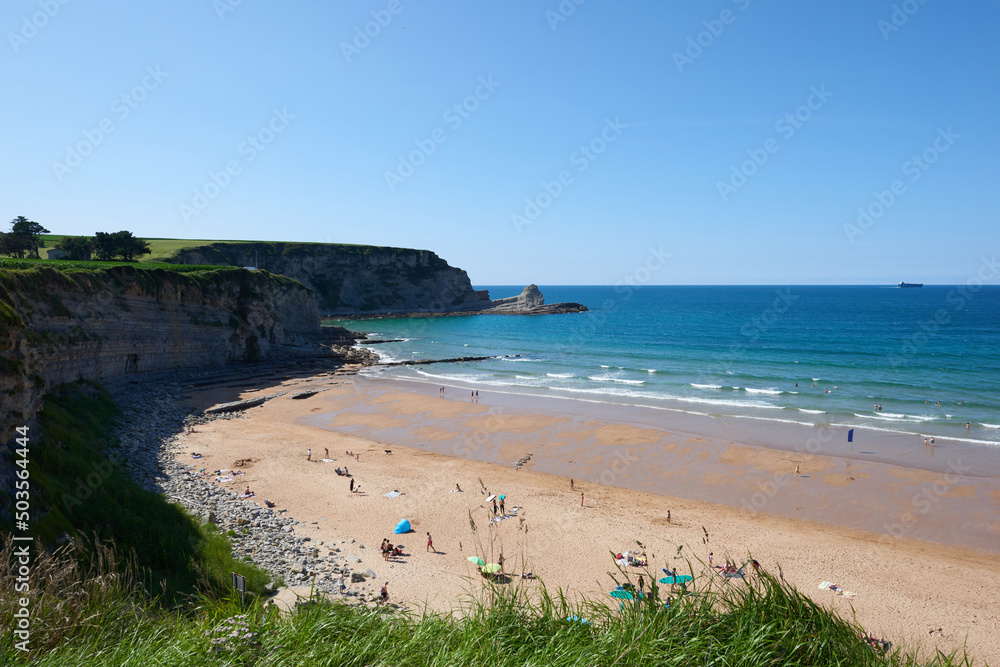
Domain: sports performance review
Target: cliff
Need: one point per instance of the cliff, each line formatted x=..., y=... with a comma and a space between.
x=112, y=324
x=355, y=279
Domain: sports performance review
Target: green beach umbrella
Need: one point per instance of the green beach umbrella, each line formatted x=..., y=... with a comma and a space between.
x=477, y=560
x=491, y=568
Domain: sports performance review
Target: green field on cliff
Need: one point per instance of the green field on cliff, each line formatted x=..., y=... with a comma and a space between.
x=161, y=248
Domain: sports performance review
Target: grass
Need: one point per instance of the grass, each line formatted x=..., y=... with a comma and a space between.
x=762, y=622
x=69, y=264
x=84, y=494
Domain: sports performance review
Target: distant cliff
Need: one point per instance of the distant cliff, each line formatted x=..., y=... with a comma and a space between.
x=365, y=281
x=63, y=325
x=354, y=279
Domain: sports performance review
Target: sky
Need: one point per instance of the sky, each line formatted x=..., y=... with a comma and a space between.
x=572, y=142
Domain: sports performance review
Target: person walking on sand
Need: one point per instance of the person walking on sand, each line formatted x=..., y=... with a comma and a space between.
x=796, y=469
x=384, y=593
x=326, y=455
x=668, y=516
x=340, y=582
x=430, y=543
x=571, y=484
x=352, y=485
x=309, y=455
x=581, y=500
x=503, y=512
x=495, y=508
x=710, y=555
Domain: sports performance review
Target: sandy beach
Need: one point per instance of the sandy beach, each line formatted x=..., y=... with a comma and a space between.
x=849, y=522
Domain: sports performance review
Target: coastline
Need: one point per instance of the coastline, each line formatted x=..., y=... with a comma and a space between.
x=902, y=593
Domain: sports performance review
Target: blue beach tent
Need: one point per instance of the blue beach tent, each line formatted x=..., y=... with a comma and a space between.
x=402, y=527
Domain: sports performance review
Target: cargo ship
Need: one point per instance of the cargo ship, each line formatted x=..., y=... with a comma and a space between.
x=902, y=284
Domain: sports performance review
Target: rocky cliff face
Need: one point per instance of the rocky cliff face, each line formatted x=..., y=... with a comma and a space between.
x=58, y=326
x=355, y=280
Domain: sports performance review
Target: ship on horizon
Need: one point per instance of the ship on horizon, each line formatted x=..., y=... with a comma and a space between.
x=902, y=284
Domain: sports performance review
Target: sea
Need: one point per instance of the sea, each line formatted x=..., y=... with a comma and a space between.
x=920, y=362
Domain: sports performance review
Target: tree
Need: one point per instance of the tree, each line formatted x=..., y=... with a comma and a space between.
x=129, y=247
x=104, y=246
x=28, y=229
x=122, y=244
x=14, y=245
x=77, y=247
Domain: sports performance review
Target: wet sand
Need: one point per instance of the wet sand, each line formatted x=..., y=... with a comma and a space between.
x=746, y=497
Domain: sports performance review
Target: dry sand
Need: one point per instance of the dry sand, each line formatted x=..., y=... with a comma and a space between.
x=911, y=592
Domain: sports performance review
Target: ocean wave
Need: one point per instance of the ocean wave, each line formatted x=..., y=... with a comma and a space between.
x=604, y=366
x=649, y=370
x=608, y=378
x=453, y=378
x=897, y=417
x=754, y=390
x=813, y=412
x=631, y=393
x=706, y=386
x=990, y=425
x=772, y=419
x=527, y=377
x=517, y=359
x=560, y=375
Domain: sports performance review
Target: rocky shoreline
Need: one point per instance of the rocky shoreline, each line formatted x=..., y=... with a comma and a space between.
x=151, y=431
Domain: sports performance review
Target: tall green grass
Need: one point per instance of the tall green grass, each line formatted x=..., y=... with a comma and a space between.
x=760, y=622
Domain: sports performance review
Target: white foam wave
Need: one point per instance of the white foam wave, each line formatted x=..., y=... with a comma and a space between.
x=897, y=417
x=526, y=377
x=650, y=370
x=773, y=419
x=603, y=366
x=453, y=378
x=813, y=412
x=754, y=390
x=560, y=375
x=631, y=393
x=608, y=378
x=817, y=379
x=706, y=386
x=516, y=359
x=867, y=427
x=990, y=425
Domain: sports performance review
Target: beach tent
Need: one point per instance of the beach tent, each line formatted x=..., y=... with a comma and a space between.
x=402, y=527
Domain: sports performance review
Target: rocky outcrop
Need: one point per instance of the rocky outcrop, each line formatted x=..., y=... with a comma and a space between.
x=355, y=280
x=115, y=325
x=531, y=302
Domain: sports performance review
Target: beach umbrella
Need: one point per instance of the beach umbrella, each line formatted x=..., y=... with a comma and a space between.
x=678, y=579
x=477, y=560
x=491, y=568
x=623, y=595
x=492, y=496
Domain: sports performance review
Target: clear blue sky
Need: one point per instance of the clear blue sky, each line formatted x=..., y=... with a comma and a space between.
x=199, y=78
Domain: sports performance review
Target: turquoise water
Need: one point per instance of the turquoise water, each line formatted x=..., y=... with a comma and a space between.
x=815, y=356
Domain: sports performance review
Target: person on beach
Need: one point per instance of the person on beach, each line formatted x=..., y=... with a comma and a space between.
x=581, y=500
x=503, y=512
x=352, y=486
x=494, y=507
x=668, y=516
x=384, y=593
x=346, y=474
x=340, y=582
x=932, y=441
x=710, y=556
x=430, y=543
x=796, y=469
x=309, y=455
x=326, y=455
x=458, y=488
x=500, y=561
x=966, y=427
x=571, y=484
x=642, y=583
